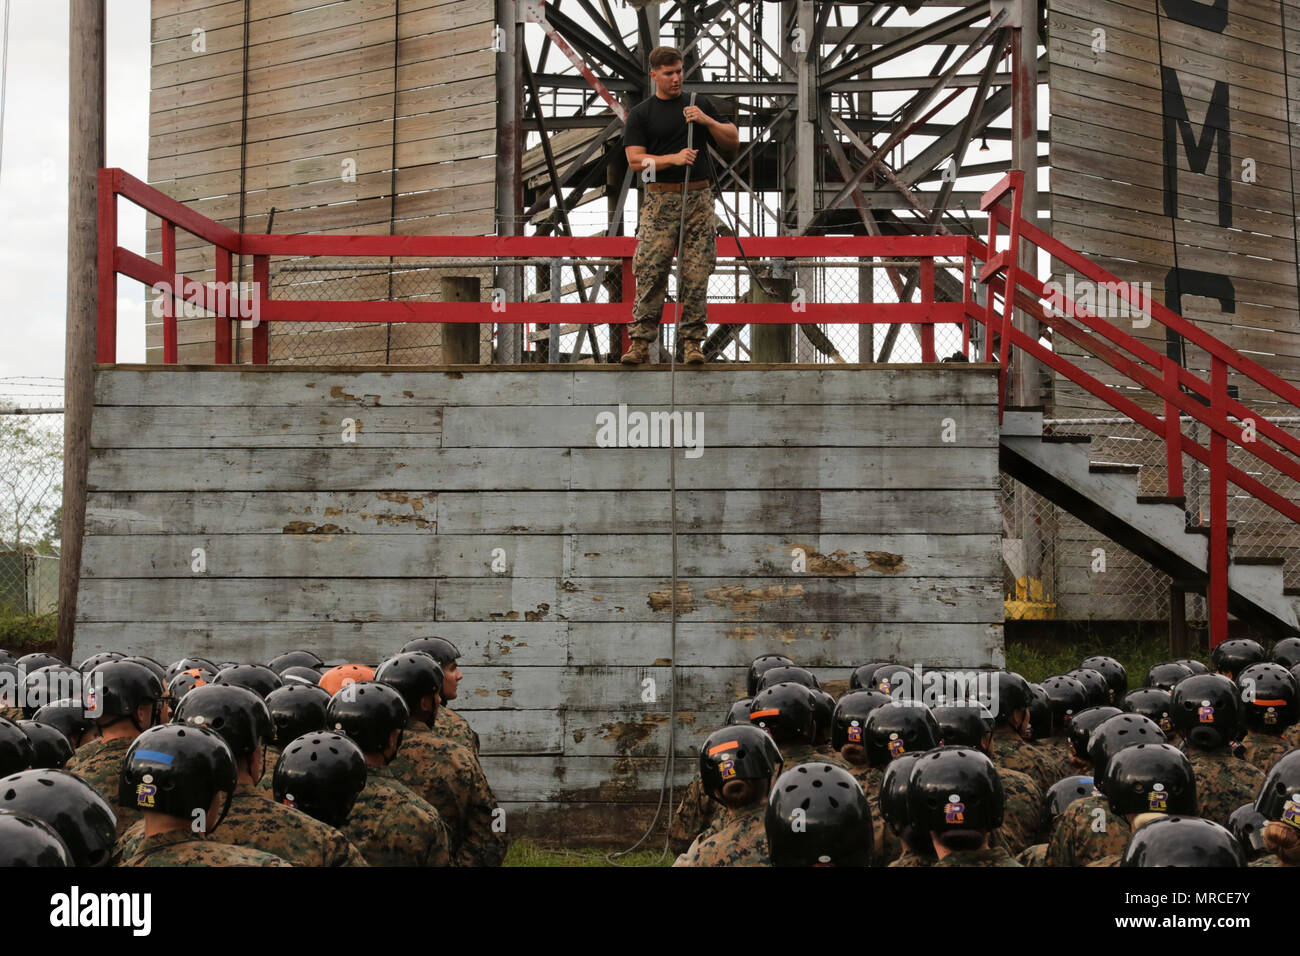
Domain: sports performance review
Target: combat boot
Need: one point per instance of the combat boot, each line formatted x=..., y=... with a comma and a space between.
x=638, y=353
x=692, y=354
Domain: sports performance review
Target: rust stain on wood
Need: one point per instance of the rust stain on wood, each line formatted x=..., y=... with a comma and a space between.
x=663, y=600
x=454, y=374
x=333, y=512
x=415, y=501
x=407, y=394
x=504, y=692
x=539, y=614
x=306, y=527
x=662, y=662
x=337, y=392
x=579, y=735
x=743, y=600
x=632, y=733
x=481, y=691
x=841, y=563
x=742, y=633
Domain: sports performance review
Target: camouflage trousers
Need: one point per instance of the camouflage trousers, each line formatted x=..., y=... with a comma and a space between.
x=653, y=261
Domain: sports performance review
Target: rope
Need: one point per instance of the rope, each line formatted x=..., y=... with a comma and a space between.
x=4, y=82
x=1286, y=89
x=243, y=160
x=666, y=782
x=392, y=181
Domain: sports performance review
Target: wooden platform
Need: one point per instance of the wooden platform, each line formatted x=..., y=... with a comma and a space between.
x=476, y=504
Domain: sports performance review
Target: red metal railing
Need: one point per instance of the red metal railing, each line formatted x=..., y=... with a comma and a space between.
x=114, y=261
x=1183, y=393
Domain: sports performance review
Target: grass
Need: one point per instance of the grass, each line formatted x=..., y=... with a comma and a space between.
x=1043, y=657
x=24, y=633
x=526, y=853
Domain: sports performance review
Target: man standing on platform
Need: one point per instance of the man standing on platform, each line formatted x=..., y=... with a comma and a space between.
x=655, y=141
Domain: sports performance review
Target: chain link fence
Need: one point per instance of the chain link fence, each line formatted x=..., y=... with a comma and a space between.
x=420, y=343
x=1057, y=566
x=31, y=493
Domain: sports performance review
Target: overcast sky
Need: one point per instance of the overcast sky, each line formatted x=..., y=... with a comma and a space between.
x=34, y=176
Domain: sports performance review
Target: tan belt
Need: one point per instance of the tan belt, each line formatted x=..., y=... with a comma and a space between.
x=693, y=185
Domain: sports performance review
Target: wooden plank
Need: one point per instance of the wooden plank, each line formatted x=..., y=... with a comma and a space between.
x=1260, y=41
x=584, y=385
x=488, y=513
x=831, y=648
x=308, y=555
x=626, y=780
x=601, y=600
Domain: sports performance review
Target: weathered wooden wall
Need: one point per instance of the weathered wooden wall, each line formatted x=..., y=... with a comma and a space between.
x=353, y=548
x=1173, y=143
x=353, y=116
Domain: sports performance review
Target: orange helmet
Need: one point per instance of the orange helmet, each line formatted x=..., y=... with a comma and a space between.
x=336, y=678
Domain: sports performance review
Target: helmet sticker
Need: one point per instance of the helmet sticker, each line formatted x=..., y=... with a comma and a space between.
x=144, y=795
x=1205, y=713
x=1291, y=811
x=728, y=769
x=954, y=810
x=1158, y=799
x=896, y=748
x=855, y=732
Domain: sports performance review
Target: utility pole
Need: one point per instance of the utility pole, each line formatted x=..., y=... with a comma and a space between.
x=86, y=104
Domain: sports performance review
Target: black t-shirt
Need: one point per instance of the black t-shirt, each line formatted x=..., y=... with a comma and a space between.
x=658, y=125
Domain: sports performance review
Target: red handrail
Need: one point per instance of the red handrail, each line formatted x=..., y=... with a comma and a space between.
x=115, y=261
x=1176, y=386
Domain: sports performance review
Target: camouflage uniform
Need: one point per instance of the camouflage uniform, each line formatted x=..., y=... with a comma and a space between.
x=1035, y=855
x=741, y=842
x=392, y=826
x=1011, y=751
x=1112, y=860
x=696, y=815
x=1292, y=736
x=99, y=763
x=1223, y=783
x=1020, y=817
x=1263, y=750
x=908, y=858
x=185, y=848
x=449, y=777
x=994, y=856
x=1058, y=748
x=1074, y=840
x=268, y=767
x=1269, y=859
x=652, y=261
x=448, y=723
x=12, y=714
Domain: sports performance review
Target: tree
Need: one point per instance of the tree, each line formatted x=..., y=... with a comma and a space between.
x=31, y=465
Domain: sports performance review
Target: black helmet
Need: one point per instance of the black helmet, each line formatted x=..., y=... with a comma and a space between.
x=297, y=709
x=189, y=664
x=30, y=662
x=823, y=716
x=440, y=649
x=963, y=723
x=26, y=840
x=1150, y=778
x=952, y=789
x=897, y=728
x=48, y=684
x=1112, y=670
x=787, y=712
x=294, y=659
x=1247, y=825
x=67, y=716
x=1082, y=726
x=70, y=806
x=760, y=666
x=6, y=657
x=860, y=679
x=1013, y=694
x=1192, y=664
x=94, y=660
x=1117, y=733
x=1066, y=697
x=10, y=682
x=1152, y=703
x=322, y=775
x=236, y=713
x=50, y=749
x=1287, y=652
x=16, y=751
x=850, y=717
x=1207, y=710
x=1040, y=713
x=737, y=753
x=1232, y=657
x=126, y=686
x=368, y=712
x=896, y=680
x=817, y=815
x=1269, y=694
x=1063, y=793
x=1165, y=676
x=184, y=682
x=788, y=674
x=158, y=670
x=1279, y=797
x=738, y=713
x=300, y=675
x=177, y=769
x=893, y=797
x=415, y=675
x=1182, y=841
x=260, y=680
x=1094, y=683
